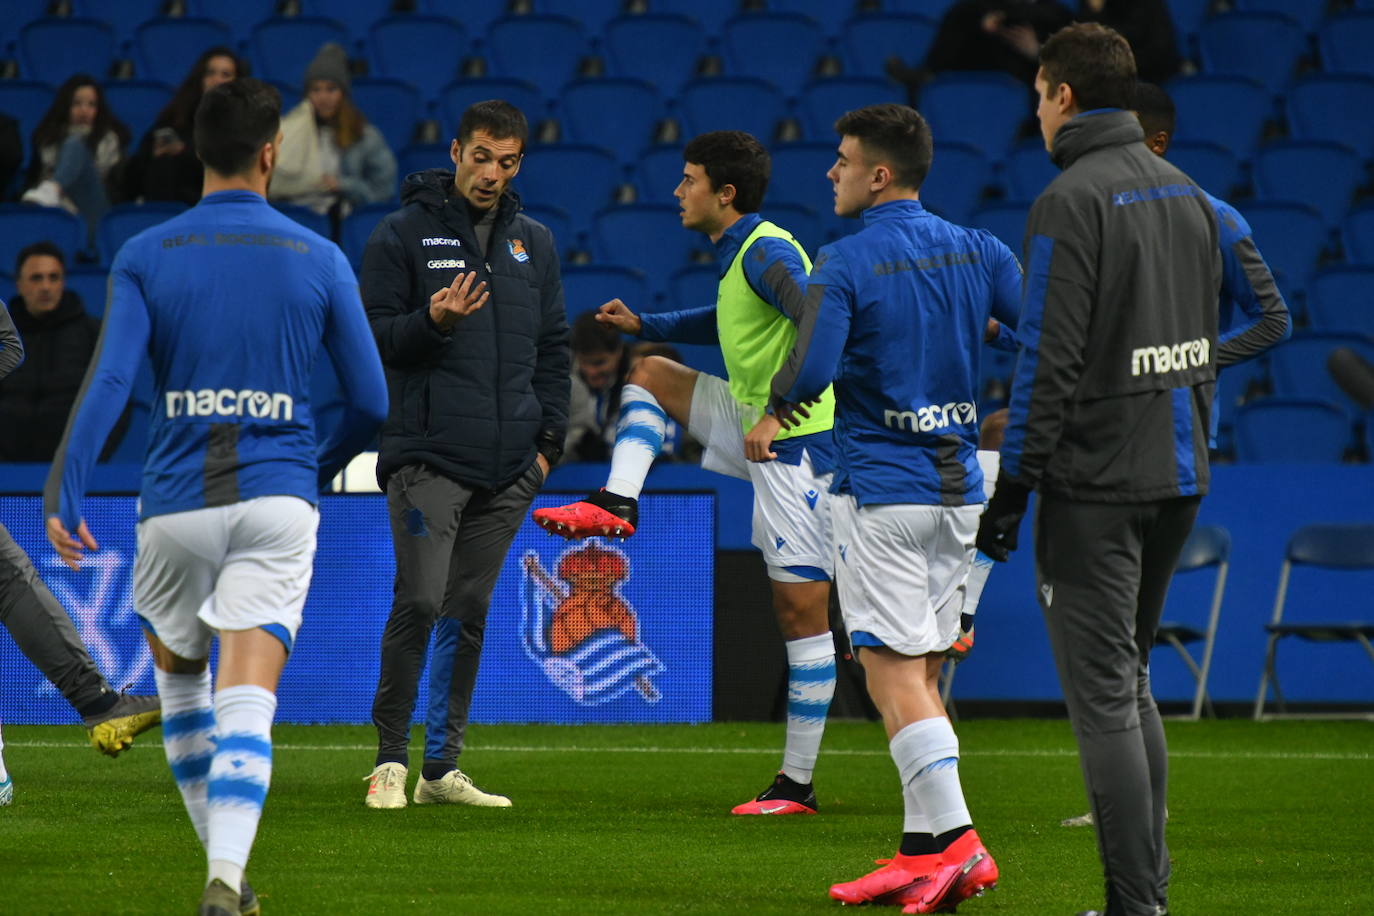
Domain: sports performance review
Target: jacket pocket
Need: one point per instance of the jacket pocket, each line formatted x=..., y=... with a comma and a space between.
x=424, y=418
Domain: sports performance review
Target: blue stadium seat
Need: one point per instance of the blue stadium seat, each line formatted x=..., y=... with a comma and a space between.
x=124, y=221
x=1291, y=235
x=557, y=221
x=782, y=48
x=692, y=287
x=732, y=103
x=1345, y=41
x=579, y=178
x=586, y=287
x=1229, y=42
x=1306, y=13
x=292, y=94
x=870, y=40
x=657, y=173
x=711, y=14
x=1298, y=365
x=1028, y=170
x=545, y=50
x=593, y=14
x=422, y=156
x=8, y=290
x=931, y=9
x=308, y=218
x=958, y=175
x=1333, y=107
x=804, y=223
x=357, y=228
x=283, y=48
x=799, y=178
x=26, y=101
x=1188, y=16
x=1239, y=384
x=91, y=283
x=664, y=50
x=394, y=44
x=1007, y=221
x=1211, y=166
x=240, y=15
x=167, y=49
x=822, y=101
x=637, y=108
x=1342, y=298
x=51, y=50
x=1357, y=236
x=458, y=95
x=830, y=14
x=358, y=16
x=1291, y=431
x=647, y=236
x=24, y=224
x=475, y=15
x=137, y=103
x=393, y=105
x=985, y=110
x=124, y=16
x=19, y=13
x=1316, y=172
x=1227, y=110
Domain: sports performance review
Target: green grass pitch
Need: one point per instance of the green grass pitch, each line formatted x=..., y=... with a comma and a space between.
x=1265, y=818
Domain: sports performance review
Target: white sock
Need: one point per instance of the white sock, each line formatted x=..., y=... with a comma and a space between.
x=810, y=687
x=914, y=820
x=4, y=773
x=977, y=578
x=638, y=438
x=239, y=776
x=188, y=729
x=927, y=758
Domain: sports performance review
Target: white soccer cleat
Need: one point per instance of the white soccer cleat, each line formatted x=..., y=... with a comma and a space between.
x=456, y=788
x=386, y=786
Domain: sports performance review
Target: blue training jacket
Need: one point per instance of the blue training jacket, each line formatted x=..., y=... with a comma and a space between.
x=231, y=301
x=895, y=315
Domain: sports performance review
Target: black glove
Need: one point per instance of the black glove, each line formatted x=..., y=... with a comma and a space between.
x=1001, y=519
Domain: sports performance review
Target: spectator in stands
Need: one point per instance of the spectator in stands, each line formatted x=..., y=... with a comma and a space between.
x=331, y=159
x=59, y=339
x=77, y=148
x=995, y=35
x=1149, y=28
x=165, y=166
x=599, y=368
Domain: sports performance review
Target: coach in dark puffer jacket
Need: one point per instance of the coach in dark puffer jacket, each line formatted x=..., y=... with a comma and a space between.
x=465, y=299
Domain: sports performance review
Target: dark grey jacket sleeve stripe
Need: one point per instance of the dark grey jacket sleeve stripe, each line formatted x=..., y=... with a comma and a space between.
x=809, y=309
x=11, y=347
x=1273, y=323
x=786, y=292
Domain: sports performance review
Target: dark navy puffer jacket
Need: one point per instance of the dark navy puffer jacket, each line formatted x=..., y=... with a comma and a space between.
x=477, y=402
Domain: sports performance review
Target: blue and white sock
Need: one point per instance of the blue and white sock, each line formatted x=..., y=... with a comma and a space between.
x=188, y=729
x=810, y=687
x=638, y=438
x=239, y=776
x=927, y=758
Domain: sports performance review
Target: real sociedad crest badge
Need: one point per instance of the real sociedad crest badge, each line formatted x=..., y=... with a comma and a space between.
x=517, y=251
x=580, y=631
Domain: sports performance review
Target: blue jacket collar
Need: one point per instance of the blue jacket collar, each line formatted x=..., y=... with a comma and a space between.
x=894, y=209
x=233, y=197
x=730, y=241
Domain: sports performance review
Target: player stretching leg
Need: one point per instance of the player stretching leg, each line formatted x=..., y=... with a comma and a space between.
x=763, y=275
x=231, y=300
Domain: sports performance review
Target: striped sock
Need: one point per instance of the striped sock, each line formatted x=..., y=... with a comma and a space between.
x=239, y=776
x=638, y=438
x=810, y=687
x=927, y=757
x=188, y=727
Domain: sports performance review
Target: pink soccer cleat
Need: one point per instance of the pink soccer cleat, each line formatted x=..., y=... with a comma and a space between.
x=600, y=514
x=900, y=881
x=966, y=870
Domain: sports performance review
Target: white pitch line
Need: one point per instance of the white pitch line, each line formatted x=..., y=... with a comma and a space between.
x=581, y=749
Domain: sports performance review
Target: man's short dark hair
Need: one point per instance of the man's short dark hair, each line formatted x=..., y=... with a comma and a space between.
x=1096, y=62
x=893, y=134
x=1155, y=109
x=736, y=158
x=38, y=249
x=589, y=336
x=499, y=118
x=233, y=121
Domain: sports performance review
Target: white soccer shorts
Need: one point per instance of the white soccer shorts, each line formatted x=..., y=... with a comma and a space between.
x=792, y=514
x=901, y=571
x=232, y=567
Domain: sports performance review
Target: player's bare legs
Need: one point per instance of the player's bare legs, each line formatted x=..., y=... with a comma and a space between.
x=657, y=388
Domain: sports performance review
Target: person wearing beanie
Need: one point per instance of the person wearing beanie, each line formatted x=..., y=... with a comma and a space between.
x=332, y=159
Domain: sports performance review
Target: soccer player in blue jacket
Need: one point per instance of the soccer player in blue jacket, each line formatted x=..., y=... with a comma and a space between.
x=231, y=301
x=895, y=315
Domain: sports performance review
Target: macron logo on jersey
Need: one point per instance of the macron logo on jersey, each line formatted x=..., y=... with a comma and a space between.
x=226, y=402
x=1194, y=353
x=446, y=243
x=932, y=417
